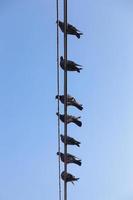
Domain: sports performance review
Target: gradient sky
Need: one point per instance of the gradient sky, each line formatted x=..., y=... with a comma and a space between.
x=28, y=124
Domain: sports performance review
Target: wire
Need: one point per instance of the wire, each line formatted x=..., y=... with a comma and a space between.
x=65, y=94
x=58, y=103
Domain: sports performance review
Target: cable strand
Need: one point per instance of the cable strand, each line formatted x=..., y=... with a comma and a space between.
x=58, y=103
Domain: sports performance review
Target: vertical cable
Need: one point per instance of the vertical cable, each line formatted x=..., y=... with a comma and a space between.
x=58, y=103
x=65, y=93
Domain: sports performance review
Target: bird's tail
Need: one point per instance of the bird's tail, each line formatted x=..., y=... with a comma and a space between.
x=77, y=143
x=72, y=182
x=78, y=35
x=74, y=179
x=79, y=106
x=78, y=69
x=79, y=65
x=78, y=123
x=78, y=162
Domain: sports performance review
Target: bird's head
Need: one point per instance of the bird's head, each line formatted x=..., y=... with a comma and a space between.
x=61, y=136
x=58, y=153
x=57, y=114
x=57, y=97
x=63, y=173
x=61, y=58
x=58, y=22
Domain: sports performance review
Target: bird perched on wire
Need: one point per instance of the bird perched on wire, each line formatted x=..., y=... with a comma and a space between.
x=70, y=140
x=70, y=119
x=70, y=29
x=69, y=158
x=71, y=65
x=71, y=101
x=67, y=177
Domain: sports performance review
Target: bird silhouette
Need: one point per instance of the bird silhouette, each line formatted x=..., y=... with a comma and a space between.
x=69, y=158
x=67, y=177
x=71, y=65
x=70, y=140
x=71, y=101
x=70, y=29
x=70, y=119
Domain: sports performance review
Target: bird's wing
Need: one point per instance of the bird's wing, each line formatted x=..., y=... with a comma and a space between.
x=70, y=155
x=69, y=139
x=73, y=140
x=69, y=97
x=69, y=117
x=75, y=118
x=69, y=176
x=73, y=27
x=70, y=62
x=78, y=65
x=72, y=99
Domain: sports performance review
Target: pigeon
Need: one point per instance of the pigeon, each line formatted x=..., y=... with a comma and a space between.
x=70, y=119
x=71, y=101
x=70, y=29
x=71, y=65
x=69, y=158
x=70, y=140
x=68, y=177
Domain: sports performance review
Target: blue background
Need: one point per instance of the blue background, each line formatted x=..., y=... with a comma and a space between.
x=28, y=124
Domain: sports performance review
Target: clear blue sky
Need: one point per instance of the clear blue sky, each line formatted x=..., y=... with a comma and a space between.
x=28, y=130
